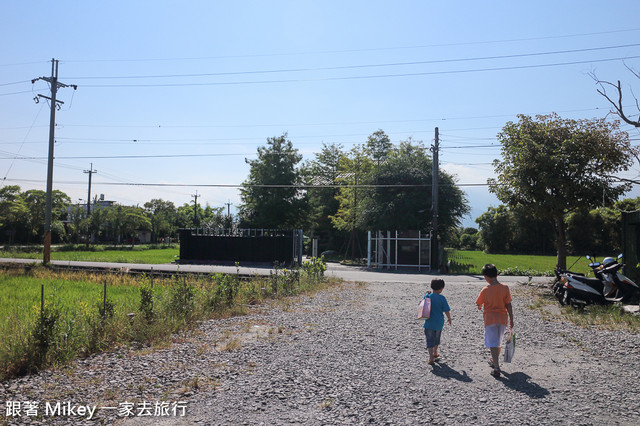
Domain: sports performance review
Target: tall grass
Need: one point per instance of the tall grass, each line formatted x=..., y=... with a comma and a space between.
x=77, y=320
x=609, y=317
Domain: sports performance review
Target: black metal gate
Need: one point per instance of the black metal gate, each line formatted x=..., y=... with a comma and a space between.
x=240, y=245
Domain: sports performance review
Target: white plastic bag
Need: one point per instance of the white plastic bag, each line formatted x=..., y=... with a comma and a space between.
x=510, y=347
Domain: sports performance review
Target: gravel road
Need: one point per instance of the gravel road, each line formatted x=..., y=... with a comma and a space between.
x=354, y=355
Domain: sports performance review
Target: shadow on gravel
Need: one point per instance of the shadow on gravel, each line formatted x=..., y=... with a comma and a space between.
x=443, y=370
x=520, y=382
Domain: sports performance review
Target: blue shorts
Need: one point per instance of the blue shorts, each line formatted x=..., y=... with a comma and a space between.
x=433, y=337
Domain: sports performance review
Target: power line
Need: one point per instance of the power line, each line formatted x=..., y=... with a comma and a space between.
x=85, y=157
x=15, y=82
x=23, y=142
x=345, y=67
x=339, y=123
x=214, y=185
x=414, y=74
x=16, y=93
x=372, y=49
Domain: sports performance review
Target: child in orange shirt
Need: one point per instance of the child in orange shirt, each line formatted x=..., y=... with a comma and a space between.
x=496, y=299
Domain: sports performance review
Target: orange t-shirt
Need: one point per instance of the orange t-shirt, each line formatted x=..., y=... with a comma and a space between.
x=495, y=299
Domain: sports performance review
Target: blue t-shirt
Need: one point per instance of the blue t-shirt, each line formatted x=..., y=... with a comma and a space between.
x=439, y=306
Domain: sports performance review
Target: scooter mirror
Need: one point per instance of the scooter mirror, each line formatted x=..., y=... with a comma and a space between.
x=588, y=257
x=620, y=256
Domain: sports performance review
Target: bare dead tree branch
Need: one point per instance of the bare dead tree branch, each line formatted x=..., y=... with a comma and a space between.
x=637, y=74
x=618, y=109
x=621, y=179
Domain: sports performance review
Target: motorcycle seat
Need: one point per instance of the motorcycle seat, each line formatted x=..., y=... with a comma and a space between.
x=592, y=282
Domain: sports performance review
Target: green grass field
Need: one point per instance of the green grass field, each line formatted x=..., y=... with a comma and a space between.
x=471, y=262
x=140, y=311
x=137, y=254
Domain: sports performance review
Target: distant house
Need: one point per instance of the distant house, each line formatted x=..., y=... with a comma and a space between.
x=101, y=203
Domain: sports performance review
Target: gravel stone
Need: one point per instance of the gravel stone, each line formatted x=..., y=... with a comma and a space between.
x=354, y=354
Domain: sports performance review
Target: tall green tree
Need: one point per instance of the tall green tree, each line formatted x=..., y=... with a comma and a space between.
x=553, y=166
x=401, y=198
x=496, y=229
x=323, y=172
x=514, y=230
x=14, y=213
x=163, y=218
x=35, y=200
x=78, y=223
x=270, y=198
x=379, y=145
x=124, y=222
x=354, y=171
x=215, y=217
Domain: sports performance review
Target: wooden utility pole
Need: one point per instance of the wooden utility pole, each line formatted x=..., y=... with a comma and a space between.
x=435, y=245
x=53, y=82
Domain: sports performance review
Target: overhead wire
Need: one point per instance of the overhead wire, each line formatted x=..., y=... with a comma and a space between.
x=340, y=123
x=344, y=67
x=20, y=147
x=344, y=78
x=373, y=49
x=216, y=185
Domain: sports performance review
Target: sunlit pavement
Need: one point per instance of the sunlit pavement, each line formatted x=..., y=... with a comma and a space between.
x=348, y=273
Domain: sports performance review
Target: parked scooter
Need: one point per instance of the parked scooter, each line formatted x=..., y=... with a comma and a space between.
x=608, y=286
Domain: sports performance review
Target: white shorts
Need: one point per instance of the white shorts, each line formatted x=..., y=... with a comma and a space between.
x=493, y=335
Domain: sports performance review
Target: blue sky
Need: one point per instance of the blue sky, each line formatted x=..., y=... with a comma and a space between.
x=183, y=92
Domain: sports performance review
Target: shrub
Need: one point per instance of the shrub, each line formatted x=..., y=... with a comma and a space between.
x=181, y=302
x=315, y=267
x=521, y=272
x=146, y=301
x=43, y=335
x=225, y=288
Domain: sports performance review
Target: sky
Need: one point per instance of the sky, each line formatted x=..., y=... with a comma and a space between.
x=173, y=97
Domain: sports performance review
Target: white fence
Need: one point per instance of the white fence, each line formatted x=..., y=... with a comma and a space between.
x=399, y=249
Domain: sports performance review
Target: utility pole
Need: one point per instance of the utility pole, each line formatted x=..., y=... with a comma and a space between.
x=90, y=172
x=195, y=209
x=228, y=204
x=435, y=245
x=54, y=84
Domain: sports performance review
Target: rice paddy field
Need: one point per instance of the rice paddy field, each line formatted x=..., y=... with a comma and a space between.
x=126, y=254
x=49, y=317
x=471, y=262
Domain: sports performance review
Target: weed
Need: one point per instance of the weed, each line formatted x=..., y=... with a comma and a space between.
x=146, y=301
x=232, y=344
x=315, y=268
x=44, y=336
x=203, y=349
x=79, y=323
x=182, y=299
x=326, y=404
x=609, y=317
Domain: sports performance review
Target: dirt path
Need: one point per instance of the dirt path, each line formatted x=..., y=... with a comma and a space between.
x=355, y=356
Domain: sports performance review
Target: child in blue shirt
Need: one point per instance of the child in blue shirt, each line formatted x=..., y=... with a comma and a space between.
x=433, y=326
